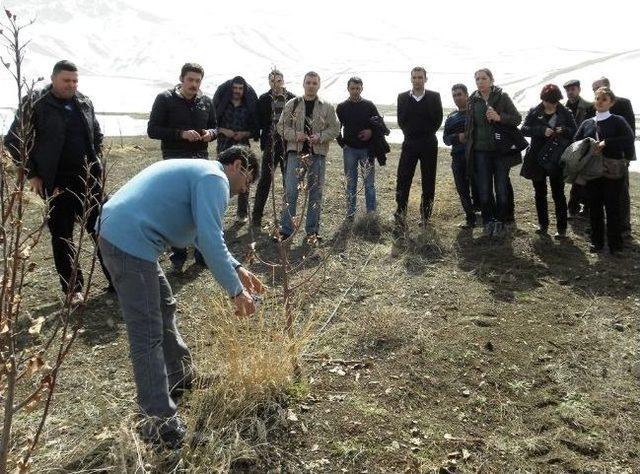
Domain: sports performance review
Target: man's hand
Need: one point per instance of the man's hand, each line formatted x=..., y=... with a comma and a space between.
x=492, y=115
x=462, y=138
x=548, y=132
x=190, y=135
x=365, y=135
x=226, y=132
x=37, y=185
x=598, y=148
x=239, y=136
x=250, y=281
x=207, y=136
x=301, y=137
x=245, y=306
x=315, y=138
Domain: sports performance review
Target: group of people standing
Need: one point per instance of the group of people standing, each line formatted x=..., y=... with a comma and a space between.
x=487, y=119
x=181, y=200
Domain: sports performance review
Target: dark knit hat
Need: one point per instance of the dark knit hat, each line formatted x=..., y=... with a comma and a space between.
x=572, y=82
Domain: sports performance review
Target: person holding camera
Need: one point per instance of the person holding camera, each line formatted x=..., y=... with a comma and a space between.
x=184, y=120
x=551, y=127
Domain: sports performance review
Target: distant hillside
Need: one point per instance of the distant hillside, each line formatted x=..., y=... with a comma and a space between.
x=128, y=53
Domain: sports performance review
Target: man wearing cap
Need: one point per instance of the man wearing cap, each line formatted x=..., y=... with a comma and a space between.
x=581, y=110
x=624, y=109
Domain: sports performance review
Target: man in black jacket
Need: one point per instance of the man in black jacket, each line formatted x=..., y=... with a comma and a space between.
x=581, y=110
x=184, y=120
x=355, y=116
x=622, y=107
x=419, y=117
x=270, y=106
x=64, y=165
x=235, y=102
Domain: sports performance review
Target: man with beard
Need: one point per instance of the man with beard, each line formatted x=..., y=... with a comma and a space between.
x=235, y=102
x=184, y=120
x=581, y=110
x=270, y=105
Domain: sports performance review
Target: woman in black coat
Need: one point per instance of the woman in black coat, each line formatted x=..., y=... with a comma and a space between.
x=551, y=127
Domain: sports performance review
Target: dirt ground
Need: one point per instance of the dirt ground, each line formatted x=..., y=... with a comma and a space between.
x=444, y=352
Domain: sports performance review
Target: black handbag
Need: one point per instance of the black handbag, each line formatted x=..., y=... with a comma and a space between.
x=551, y=152
x=508, y=139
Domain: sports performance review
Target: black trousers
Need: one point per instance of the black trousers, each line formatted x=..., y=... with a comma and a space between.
x=559, y=199
x=272, y=157
x=64, y=210
x=604, y=196
x=425, y=151
x=577, y=196
x=625, y=205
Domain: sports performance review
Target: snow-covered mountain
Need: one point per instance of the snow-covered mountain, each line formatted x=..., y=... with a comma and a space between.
x=129, y=51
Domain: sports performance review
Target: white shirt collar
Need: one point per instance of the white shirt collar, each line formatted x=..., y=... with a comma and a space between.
x=600, y=116
x=417, y=98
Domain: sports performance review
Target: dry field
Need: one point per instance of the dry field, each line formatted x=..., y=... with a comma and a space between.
x=443, y=352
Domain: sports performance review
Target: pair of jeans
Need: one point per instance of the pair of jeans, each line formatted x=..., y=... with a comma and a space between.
x=272, y=157
x=356, y=160
x=64, y=209
x=557, y=192
x=313, y=170
x=604, y=196
x=492, y=172
x=158, y=353
x=414, y=150
x=466, y=189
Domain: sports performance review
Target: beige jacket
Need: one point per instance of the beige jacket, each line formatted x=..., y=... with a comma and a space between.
x=323, y=121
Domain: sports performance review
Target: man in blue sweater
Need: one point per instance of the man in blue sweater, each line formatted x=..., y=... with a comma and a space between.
x=454, y=137
x=171, y=203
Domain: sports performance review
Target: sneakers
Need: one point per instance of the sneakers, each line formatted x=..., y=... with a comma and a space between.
x=177, y=268
x=487, y=230
x=498, y=230
x=242, y=219
x=542, y=230
x=77, y=299
x=313, y=239
x=561, y=234
x=596, y=248
x=280, y=237
x=168, y=434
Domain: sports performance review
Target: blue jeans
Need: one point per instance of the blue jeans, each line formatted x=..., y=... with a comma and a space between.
x=492, y=171
x=313, y=170
x=159, y=355
x=357, y=159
